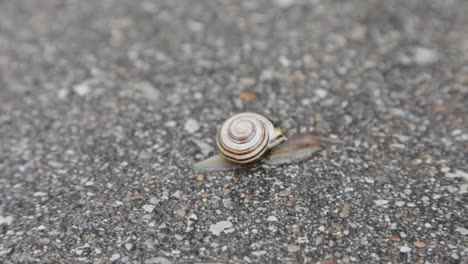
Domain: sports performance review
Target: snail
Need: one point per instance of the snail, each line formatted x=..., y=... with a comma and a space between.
x=248, y=139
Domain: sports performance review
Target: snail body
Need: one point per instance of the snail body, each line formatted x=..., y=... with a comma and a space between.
x=246, y=137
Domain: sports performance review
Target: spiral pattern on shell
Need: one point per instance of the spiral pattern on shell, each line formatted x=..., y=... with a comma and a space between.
x=245, y=137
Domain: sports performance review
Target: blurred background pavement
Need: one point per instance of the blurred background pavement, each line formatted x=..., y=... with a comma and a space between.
x=105, y=106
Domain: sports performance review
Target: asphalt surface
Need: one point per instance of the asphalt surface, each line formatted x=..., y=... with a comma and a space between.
x=106, y=105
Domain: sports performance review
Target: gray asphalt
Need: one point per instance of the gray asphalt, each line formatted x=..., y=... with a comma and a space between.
x=106, y=105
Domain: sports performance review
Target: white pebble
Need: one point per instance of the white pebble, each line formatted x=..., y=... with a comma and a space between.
x=456, y=132
x=8, y=220
x=400, y=203
x=462, y=230
x=191, y=126
x=148, y=208
x=380, y=202
x=259, y=253
x=445, y=169
x=81, y=89
x=158, y=260
x=221, y=226
x=205, y=148
x=115, y=257
x=424, y=56
x=193, y=217
x=405, y=249
x=62, y=94
x=457, y=174
x=272, y=218
x=321, y=93
x=284, y=3
x=147, y=89
x=293, y=248
x=170, y=124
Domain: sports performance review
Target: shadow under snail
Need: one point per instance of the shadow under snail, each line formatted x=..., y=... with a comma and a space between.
x=248, y=139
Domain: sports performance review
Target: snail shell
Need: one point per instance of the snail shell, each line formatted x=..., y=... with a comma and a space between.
x=246, y=137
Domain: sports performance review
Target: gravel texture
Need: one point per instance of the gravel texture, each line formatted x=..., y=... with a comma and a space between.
x=105, y=106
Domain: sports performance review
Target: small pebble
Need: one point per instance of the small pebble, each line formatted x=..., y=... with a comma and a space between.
x=157, y=260
x=248, y=96
x=462, y=230
x=405, y=249
x=420, y=244
x=293, y=248
x=247, y=82
x=400, y=203
x=424, y=56
x=148, y=208
x=302, y=240
x=456, y=132
x=284, y=3
x=321, y=93
x=81, y=89
x=205, y=148
x=170, y=124
x=193, y=217
x=272, y=218
x=200, y=177
x=8, y=220
x=147, y=89
x=345, y=210
x=115, y=257
x=191, y=126
x=380, y=202
x=220, y=227
x=259, y=253
x=177, y=194
x=456, y=174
